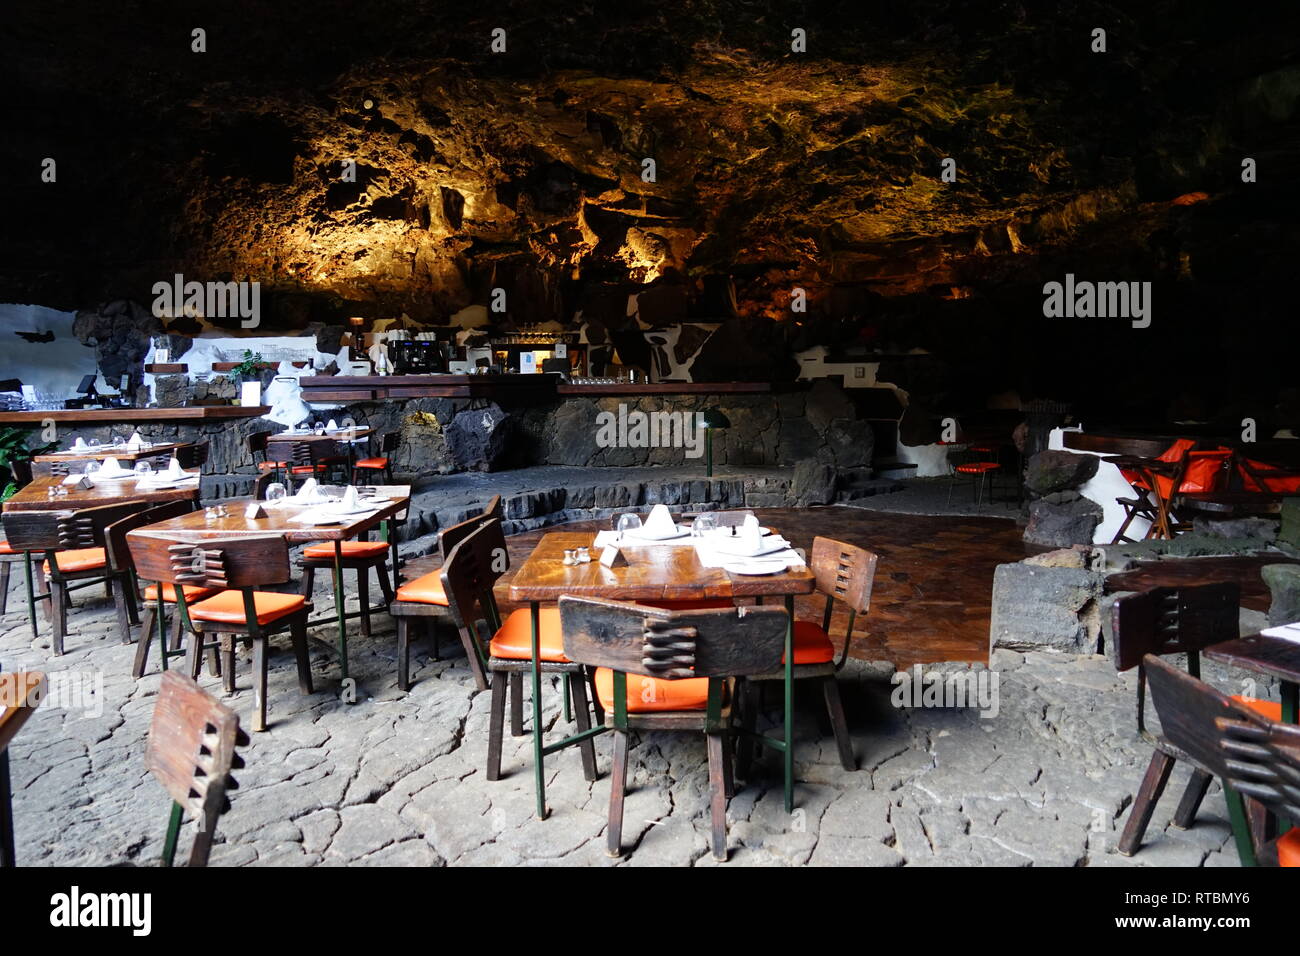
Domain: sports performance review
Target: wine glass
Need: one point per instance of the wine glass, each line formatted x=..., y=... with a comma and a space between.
x=92, y=468
x=275, y=492
x=143, y=469
x=703, y=525
x=628, y=522
x=93, y=444
x=318, y=428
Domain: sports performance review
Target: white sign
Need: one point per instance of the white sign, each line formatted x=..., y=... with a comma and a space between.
x=250, y=394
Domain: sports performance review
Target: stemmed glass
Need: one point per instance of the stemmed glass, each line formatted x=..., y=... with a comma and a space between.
x=703, y=524
x=627, y=522
x=275, y=492
x=143, y=469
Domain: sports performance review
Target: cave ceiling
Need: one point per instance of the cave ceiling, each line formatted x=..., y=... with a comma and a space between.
x=524, y=169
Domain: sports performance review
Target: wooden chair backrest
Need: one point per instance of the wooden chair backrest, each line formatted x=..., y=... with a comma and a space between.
x=673, y=645
x=119, y=553
x=1188, y=708
x=468, y=575
x=194, y=456
x=257, y=442
x=191, y=752
x=390, y=442
x=450, y=537
x=261, y=483
x=1173, y=621
x=300, y=453
x=65, y=529
x=243, y=562
x=1263, y=762
x=844, y=571
x=32, y=530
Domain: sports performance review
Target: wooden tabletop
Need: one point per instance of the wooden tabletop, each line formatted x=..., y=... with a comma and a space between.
x=35, y=496
x=196, y=527
x=20, y=694
x=653, y=572
x=359, y=433
x=120, y=452
x=1232, y=502
x=142, y=415
x=1275, y=656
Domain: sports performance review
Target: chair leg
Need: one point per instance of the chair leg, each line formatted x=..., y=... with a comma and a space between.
x=259, y=683
x=59, y=598
x=403, y=652
x=385, y=586
x=596, y=706
x=728, y=776
x=298, y=632
x=121, y=592
x=142, y=645
x=1192, y=797
x=517, y=705
x=194, y=654
x=1144, y=804
x=617, y=787
x=748, y=721
x=496, y=724
x=308, y=581
x=176, y=634
x=582, y=715
x=718, y=794
x=363, y=600
x=5, y=567
x=228, y=662
x=43, y=587
x=835, y=710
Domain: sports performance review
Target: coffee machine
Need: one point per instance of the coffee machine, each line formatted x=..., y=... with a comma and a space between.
x=418, y=356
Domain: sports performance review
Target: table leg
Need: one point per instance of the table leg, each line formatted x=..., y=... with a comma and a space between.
x=788, y=756
x=7, y=856
x=539, y=770
x=31, y=592
x=339, y=609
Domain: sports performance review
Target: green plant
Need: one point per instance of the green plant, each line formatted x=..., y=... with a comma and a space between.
x=248, y=368
x=13, y=447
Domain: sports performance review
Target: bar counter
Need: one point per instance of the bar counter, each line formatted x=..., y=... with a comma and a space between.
x=86, y=416
x=540, y=386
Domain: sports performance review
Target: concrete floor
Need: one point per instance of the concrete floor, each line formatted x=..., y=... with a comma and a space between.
x=398, y=778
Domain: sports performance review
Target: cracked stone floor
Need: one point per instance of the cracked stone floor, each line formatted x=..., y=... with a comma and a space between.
x=397, y=779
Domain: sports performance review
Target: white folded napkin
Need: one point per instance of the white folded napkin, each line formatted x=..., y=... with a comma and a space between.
x=309, y=493
x=80, y=445
x=659, y=523
x=350, y=503
x=111, y=468
x=333, y=426
x=135, y=441
x=174, y=470
x=1288, y=632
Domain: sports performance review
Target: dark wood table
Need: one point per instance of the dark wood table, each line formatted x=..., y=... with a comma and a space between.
x=348, y=438
x=120, y=452
x=1243, y=569
x=653, y=572
x=20, y=694
x=1274, y=656
x=197, y=527
x=35, y=495
x=1230, y=504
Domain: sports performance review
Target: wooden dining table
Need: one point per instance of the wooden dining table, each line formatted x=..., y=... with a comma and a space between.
x=278, y=519
x=120, y=452
x=20, y=694
x=652, y=572
x=348, y=438
x=35, y=496
x=1264, y=654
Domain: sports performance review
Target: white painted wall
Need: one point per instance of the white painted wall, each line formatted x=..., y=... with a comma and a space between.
x=56, y=366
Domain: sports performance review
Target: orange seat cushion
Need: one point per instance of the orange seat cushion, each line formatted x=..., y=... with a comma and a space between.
x=191, y=593
x=424, y=590
x=977, y=467
x=5, y=549
x=514, y=641
x=811, y=644
x=302, y=470
x=646, y=695
x=380, y=463
x=81, y=559
x=700, y=604
x=271, y=465
x=1265, y=708
x=1288, y=848
x=350, y=549
x=228, y=607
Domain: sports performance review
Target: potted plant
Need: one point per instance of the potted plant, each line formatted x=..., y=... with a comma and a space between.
x=248, y=370
x=13, y=448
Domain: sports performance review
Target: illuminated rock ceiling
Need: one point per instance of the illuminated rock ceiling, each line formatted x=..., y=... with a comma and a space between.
x=524, y=169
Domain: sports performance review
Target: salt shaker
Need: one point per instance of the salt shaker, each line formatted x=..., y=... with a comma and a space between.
x=584, y=556
x=569, y=557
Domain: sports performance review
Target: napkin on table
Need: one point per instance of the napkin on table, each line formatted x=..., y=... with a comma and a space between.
x=80, y=444
x=1288, y=632
x=333, y=426
x=659, y=523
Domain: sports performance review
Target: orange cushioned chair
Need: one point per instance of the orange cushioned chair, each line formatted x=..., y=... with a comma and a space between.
x=236, y=568
x=468, y=575
x=425, y=599
x=383, y=462
x=660, y=669
x=844, y=573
